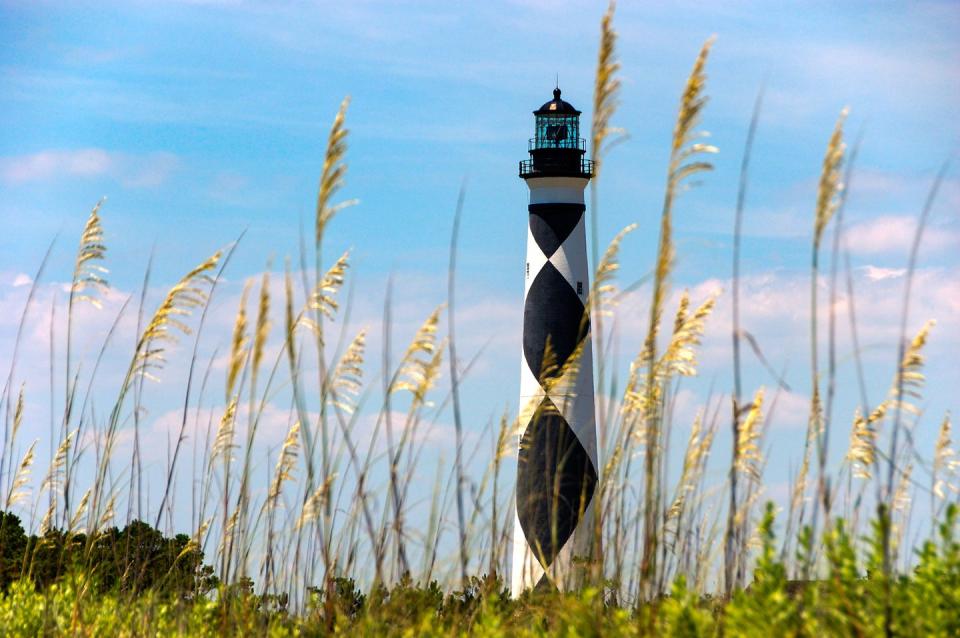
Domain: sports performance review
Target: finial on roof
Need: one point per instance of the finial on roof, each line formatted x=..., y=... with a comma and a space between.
x=556, y=93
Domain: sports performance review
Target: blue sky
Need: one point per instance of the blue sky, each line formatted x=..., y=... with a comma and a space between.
x=199, y=120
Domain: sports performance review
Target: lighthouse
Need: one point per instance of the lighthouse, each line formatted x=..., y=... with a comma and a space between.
x=557, y=468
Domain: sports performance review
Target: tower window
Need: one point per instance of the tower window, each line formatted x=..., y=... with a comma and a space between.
x=528, y=269
x=580, y=288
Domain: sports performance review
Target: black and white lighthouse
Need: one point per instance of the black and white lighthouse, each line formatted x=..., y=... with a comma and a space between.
x=557, y=460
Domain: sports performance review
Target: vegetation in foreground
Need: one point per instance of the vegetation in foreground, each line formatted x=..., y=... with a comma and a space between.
x=334, y=543
x=844, y=602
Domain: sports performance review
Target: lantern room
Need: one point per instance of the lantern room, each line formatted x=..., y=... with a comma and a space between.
x=556, y=150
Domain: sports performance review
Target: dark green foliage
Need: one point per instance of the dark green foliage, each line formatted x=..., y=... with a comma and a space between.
x=346, y=599
x=404, y=604
x=928, y=602
x=135, y=559
x=13, y=542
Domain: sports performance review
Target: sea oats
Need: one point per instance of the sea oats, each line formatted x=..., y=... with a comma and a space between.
x=87, y=273
x=863, y=441
x=46, y=524
x=17, y=415
x=748, y=449
x=799, y=492
x=694, y=463
x=606, y=90
x=679, y=357
x=830, y=186
x=348, y=375
x=227, y=534
x=635, y=395
x=862, y=451
x=682, y=165
x=286, y=463
x=180, y=300
x=52, y=480
x=828, y=199
x=505, y=433
x=290, y=318
x=909, y=379
x=602, y=296
x=80, y=512
x=315, y=504
x=238, y=344
x=108, y=512
x=196, y=541
x=901, y=496
x=334, y=170
x=945, y=462
x=420, y=365
x=324, y=297
x=262, y=330
x=16, y=493
x=223, y=444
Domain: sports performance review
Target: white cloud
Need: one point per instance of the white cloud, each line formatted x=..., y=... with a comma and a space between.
x=86, y=162
x=134, y=170
x=787, y=409
x=894, y=233
x=272, y=421
x=21, y=279
x=774, y=309
x=875, y=273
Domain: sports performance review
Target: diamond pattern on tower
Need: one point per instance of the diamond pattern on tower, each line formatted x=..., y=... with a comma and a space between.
x=552, y=311
x=555, y=482
x=550, y=224
x=556, y=477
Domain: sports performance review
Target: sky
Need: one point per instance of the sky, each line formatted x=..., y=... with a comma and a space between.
x=199, y=121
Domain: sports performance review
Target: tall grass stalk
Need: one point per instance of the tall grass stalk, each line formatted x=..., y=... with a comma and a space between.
x=683, y=164
x=455, y=384
x=88, y=279
x=605, y=102
x=728, y=557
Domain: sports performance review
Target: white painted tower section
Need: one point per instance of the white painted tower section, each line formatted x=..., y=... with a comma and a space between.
x=572, y=396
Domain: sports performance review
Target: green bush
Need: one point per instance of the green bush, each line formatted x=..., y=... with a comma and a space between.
x=133, y=560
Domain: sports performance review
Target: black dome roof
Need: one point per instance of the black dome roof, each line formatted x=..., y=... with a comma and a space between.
x=556, y=106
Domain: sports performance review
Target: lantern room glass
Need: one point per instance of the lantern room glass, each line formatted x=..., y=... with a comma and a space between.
x=558, y=131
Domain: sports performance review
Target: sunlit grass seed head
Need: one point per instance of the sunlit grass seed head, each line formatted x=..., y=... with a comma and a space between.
x=88, y=274
x=830, y=185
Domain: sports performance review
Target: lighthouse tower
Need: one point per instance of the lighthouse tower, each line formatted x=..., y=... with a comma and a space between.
x=557, y=461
